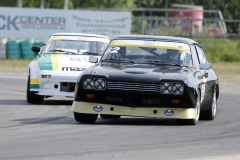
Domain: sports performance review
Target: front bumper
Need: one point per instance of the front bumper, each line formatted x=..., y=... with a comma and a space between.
x=157, y=112
x=57, y=85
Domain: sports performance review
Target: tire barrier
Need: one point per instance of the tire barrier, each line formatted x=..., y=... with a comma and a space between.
x=26, y=51
x=13, y=49
x=17, y=49
x=39, y=43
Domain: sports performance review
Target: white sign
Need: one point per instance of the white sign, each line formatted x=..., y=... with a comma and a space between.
x=104, y=22
x=41, y=23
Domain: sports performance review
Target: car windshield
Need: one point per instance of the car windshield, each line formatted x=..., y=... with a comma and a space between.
x=76, y=45
x=152, y=52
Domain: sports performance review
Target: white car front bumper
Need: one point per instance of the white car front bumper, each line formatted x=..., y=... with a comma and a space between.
x=58, y=84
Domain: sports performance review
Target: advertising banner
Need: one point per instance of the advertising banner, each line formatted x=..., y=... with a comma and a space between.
x=41, y=23
x=104, y=22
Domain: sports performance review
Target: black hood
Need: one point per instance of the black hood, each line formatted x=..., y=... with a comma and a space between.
x=138, y=72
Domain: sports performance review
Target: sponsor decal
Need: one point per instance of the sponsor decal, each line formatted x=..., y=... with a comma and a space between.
x=169, y=112
x=72, y=69
x=98, y=108
x=75, y=59
x=10, y=22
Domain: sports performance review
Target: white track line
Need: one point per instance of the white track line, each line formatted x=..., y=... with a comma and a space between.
x=13, y=77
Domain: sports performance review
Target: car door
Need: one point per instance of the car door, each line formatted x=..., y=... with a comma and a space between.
x=203, y=75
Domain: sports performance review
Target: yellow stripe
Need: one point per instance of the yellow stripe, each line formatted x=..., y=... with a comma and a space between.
x=59, y=49
x=59, y=38
x=33, y=80
x=82, y=38
x=179, y=113
x=54, y=62
x=116, y=43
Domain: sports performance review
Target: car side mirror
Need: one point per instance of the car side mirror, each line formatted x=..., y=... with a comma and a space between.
x=93, y=59
x=36, y=49
x=205, y=66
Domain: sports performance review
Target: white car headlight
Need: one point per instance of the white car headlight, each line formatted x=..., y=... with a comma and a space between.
x=166, y=88
x=178, y=88
x=88, y=83
x=100, y=83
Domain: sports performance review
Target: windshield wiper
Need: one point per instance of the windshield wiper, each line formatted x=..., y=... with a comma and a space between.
x=60, y=50
x=90, y=53
x=155, y=62
x=118, y=60
x=165, y=63
x=175, y=64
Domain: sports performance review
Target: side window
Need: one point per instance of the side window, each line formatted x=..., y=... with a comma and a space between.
x=201, y=56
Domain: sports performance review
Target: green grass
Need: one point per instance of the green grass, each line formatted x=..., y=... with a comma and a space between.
x=14, y=65
x=221, y=50
x=227, y=69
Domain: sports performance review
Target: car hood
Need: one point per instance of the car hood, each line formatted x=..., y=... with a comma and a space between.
x=139, y=72
x=63, y=62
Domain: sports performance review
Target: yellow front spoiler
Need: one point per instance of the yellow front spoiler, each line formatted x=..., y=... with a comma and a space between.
x=158, y=112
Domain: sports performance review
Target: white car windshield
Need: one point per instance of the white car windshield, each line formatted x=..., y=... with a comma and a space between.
x=76, y=45
x=140, y=51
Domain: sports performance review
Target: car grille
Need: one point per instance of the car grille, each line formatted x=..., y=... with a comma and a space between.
x=130, y=86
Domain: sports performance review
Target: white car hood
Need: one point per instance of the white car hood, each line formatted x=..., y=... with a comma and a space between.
x=63, y=62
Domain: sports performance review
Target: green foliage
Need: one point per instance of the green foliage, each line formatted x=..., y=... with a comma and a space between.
x=8, y=3
x=102, y=3
x=31, y=3
x=221, y=50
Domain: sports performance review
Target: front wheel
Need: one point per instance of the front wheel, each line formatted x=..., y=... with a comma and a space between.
x=192, y=121
x=85, y=118
x=32, y=97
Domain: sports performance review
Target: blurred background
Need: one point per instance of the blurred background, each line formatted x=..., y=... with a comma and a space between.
x=214, y=24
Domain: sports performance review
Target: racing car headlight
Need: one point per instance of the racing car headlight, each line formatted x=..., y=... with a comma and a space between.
x=88, y=83
x=166, y=88
x=46, y=76
x=100, y=83
x=178, y=89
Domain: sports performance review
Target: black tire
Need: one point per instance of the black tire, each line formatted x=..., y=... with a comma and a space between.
x=211, y=112
x=32, y=97
x=192, y=121
x=107, y=116
x=85, y=118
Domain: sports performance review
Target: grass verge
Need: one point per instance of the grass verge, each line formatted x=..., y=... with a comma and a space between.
x=14, y=65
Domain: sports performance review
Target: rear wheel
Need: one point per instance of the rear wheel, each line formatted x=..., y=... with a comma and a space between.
x=107, y=116
x=192, y=121
x=32, y=97
x=211, y=112
x=85, y=118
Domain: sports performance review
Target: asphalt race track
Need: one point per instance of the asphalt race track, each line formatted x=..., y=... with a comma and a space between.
x=49, y=131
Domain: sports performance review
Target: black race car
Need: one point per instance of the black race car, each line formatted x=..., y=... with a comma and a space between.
x=148, y=76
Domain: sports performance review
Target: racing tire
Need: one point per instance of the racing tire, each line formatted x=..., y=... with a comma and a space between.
x=32, y=97
x=211, y=112
x=85, y=118
x=192, y=121
x=107, y=116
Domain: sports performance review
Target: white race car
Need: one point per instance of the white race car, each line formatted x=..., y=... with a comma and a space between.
x=55, y=69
